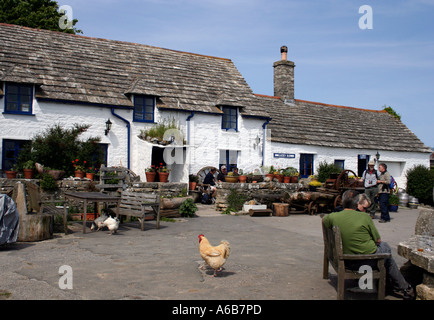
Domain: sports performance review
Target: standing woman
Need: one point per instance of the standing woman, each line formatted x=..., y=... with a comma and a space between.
x=383, y=192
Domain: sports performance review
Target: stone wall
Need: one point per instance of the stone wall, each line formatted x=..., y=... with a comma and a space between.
x=262, y=192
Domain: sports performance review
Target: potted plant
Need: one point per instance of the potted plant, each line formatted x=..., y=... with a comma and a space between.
x=150, y=173
x=314, y=184
x=79, y=168
x=269, y=172
x=90, y=172
x=393, y=202
x=163, y=173
x=242, y=177
x=231, y=177
x=286, y=175
x=28, y=169
x=278, y=175
x=192, y=181
x=12, y=174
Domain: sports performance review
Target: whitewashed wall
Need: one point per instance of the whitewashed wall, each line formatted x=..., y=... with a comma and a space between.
x=398, y=162
x=206, y=139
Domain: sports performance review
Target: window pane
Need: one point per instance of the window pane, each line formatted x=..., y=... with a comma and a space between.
x=25, y=90
x=12, y=106
x=138, y=101
x=12, y=97
x=11, y=89
x=149, y=116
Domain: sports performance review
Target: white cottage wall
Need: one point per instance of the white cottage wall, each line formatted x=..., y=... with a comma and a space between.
x=398, y=162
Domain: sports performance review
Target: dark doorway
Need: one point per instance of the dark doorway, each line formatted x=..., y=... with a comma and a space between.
x=157, y=159
x=362, y=163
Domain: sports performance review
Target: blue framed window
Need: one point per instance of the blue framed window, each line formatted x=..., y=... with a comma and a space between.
x=306, y=165
x=340, y=164
x=18, y=98
x=229, y=159
x=10, y=151
x=144, y=107
x=229, y=120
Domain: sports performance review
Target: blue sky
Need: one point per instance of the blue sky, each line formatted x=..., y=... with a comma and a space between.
x=336, y=62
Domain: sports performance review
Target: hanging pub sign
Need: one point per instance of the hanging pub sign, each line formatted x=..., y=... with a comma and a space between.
x=284, y=155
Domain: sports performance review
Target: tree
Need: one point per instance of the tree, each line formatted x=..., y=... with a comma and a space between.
x=420, y=182
x=57, y=148
x=40, y=14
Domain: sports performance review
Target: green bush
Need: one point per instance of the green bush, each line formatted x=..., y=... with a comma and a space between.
x=236, y=200
x=420, y=183
x=56, y=148
x=325, y=169
x=188, y=208
x=48, y=183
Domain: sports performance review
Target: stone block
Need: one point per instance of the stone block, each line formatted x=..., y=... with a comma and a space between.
x=425, y=222
x=423, y=292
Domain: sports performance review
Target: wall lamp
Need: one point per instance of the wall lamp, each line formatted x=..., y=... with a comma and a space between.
x=108, y=126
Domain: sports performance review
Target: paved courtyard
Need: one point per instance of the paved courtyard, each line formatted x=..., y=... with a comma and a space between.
x=271, y=258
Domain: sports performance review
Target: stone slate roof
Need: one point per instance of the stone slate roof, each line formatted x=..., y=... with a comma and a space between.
x=319, y=124
x=89, y=70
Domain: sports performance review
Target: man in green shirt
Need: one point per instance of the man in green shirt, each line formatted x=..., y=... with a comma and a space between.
x=360, y=236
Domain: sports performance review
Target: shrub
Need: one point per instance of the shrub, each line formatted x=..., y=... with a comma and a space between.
x=325, y=169
x=236, y=200
x=188, y=208
x=48, y=183
x=420, y=182
x=56, y=148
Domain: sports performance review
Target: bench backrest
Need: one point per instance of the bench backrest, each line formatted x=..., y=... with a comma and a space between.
x=333, y=245
x=132, y=202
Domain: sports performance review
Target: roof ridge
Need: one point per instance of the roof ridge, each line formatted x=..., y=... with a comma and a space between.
x=338, y=106
x=119, y=41
x=266, y=96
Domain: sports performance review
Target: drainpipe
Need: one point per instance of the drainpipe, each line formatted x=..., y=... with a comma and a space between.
x=128, y=132
x=188, y=134
x=263, y=139
x=188, y=126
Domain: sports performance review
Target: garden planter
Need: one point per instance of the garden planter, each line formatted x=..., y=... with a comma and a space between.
x=192, y=185
x=150, y=176
x=79, y=174
x=286, y=179
x=279, y=177
x=231, y=179
x=270, y=176
x=242, y=178
x=56, y=174
x=11, y=174
x=90, y=175
x=294, y=179
x=163, y=176
x=28, y=173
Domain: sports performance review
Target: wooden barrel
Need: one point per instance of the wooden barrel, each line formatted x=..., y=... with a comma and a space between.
x=281, y=209
x=35, y=227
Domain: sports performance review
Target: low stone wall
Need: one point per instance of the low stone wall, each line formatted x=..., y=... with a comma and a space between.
x=262, y=192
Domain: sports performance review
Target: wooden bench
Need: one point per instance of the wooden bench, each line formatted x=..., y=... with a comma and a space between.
x=37, y=204
x=140, y=205
x=333, y=253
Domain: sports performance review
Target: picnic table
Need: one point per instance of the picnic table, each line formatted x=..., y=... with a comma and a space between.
x=87, y=197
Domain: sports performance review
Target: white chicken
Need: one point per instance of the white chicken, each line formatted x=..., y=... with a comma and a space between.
x=98, y=223
x=112, y=224
x=215, y=257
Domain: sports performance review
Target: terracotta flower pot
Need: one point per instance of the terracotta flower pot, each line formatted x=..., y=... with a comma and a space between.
x=270, y=176
x=90, y=175
x=286, y=179
x=79, y=174
x=242, y=179
x=163, y=176
x=192, y=185
x=294, y=179
x=150, y=176
x=28, y=173
x=11, y=174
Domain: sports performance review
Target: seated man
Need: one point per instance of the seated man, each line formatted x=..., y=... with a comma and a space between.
x=222, y=173
x=360, y=236
x=210, y=179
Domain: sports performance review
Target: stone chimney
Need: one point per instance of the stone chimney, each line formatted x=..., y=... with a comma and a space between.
x=284, y=77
